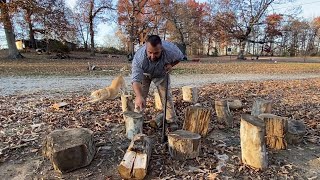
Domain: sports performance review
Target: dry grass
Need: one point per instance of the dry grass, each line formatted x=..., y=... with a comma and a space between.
x=44, y=65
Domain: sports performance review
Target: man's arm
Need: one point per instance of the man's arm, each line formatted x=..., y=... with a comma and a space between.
x=137, y=88
x=137, y=77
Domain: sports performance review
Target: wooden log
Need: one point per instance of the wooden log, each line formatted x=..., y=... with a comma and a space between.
x=184, y=144
x=69, y=149
x=296, y=131
x=157, y=101
x=134, y=164
x=127, y=103
x=276, y=128
x=235, y=104
x=223, y=113
x=261, y=106
x=133, y=123
x=253, y=145
x=190, y=94
x=197, y=120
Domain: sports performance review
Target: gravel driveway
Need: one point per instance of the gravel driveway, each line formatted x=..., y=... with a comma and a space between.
x=26, y=85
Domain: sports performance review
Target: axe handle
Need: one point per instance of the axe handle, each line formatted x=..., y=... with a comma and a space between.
x=163, y=135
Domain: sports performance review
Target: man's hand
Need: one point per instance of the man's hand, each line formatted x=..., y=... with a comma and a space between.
x=168, y=68
x=139, y=103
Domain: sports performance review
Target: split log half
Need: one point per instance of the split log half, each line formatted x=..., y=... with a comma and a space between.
x=276, y=128
x=134, y=164
x=190, y=94
x=261, y=106
x=127, y=103
x=197, y=120
x=223, y=112
x=253, y=145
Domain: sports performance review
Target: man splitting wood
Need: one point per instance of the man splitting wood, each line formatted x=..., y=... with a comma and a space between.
x=151, y=63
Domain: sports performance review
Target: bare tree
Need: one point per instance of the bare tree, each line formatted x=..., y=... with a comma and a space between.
x=94, y=10
x=8, y=29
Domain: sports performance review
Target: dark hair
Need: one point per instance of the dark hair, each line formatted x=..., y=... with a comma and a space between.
x=154, y=40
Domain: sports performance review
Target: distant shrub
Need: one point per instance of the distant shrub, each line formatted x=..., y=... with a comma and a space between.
x=58, y=47
x=113, y=50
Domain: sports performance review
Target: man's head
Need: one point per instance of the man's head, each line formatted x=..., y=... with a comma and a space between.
x=154, y=47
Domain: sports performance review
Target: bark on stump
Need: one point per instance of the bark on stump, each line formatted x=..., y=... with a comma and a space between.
x=223, y=112
x=157, y=101
x=276, y=128
x=261, y=106
x=235, y=104
x=253, y=145
x=296, y=131
x=190, y=94
x=69, y=149
x=197, y=120
x=134, y=164
x=127, y=103
x=184, y=144
x=133, y=122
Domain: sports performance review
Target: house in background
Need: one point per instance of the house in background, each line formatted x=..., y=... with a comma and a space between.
x=23, y=44
x=20, y=44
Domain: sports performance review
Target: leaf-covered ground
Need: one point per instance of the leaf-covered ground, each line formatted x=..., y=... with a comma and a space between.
x=26, y=119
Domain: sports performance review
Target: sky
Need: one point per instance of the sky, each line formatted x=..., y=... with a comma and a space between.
x=106, y=31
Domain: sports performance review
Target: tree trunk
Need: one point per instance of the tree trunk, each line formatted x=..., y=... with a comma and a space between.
x=184, y=144
x=10, y=37
x=241, y=52
x=31, y=31
x=134, y=164
x=92, y=38
x=91, y=18
x=197, y=120
x=223, y=113
x=253, y=145
x=85, y=45
x=133, y=123
x=276, y=128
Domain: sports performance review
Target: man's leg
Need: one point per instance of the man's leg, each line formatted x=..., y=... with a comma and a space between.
x=171, y=114
x=145, y=87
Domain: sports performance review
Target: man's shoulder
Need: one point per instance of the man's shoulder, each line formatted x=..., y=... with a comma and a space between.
x=140, y=53
x=167, y=44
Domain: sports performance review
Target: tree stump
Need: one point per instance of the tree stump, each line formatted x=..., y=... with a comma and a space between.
x=133, y=122
x=296, y=131
x=197, y=120
x=253, y=145
x=190, y=94
x=69, y=149
x=134, y=164
x=127, y=103
x=276, y=128
x=223, y=112
x=235, y=104
x=261, y=106
x=157, y=101
x=184, y=144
